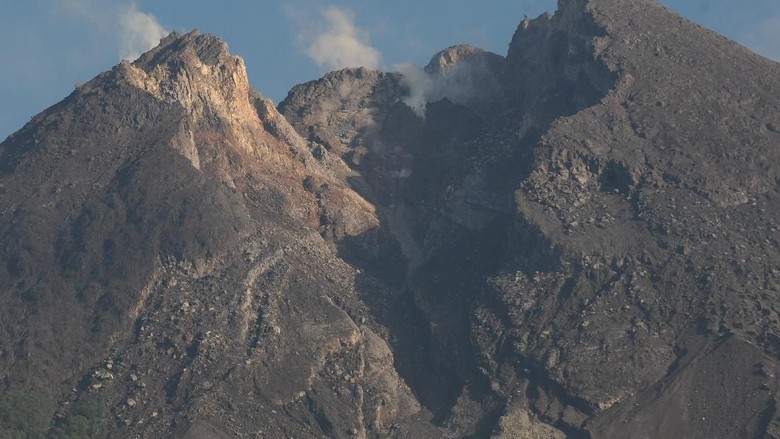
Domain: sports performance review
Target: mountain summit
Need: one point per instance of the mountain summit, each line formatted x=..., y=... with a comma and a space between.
x=577, y=239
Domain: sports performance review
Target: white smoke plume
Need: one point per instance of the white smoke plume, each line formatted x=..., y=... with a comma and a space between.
x=420, y=87
x=467, y=79
x=341, y=43
x=129, y=29
x=138, y=32
x=470, y=82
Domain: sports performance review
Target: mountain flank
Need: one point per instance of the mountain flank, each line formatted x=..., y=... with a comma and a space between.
x=577, y=239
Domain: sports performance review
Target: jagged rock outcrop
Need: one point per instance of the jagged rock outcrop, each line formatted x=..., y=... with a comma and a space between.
x=591, y=251
x=628, y=192
x=463, y=74
x=161, y=258
x=576, y=240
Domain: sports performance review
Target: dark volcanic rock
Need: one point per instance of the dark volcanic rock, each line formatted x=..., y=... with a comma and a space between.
x=577, y=240
x=641, y=197
x=466, y=75
x=600, y=237
x=156, y=221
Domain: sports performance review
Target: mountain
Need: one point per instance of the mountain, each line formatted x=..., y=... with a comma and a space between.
x=162, y=259
x=578, y=239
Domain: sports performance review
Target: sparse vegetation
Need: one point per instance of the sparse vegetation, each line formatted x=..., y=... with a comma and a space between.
x=24, y=415
x=85, y=421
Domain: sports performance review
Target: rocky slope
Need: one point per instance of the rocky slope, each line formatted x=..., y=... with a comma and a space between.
x=595, y=248
x=576, y=240
x=161, y=258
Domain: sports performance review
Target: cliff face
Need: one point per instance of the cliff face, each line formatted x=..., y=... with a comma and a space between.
x=578, y=239
x=658, y=234
x=160, y=257
x=590, y=252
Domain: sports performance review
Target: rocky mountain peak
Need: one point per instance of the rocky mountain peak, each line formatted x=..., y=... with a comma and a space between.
x=198, y=72
x=577, y=240
x=462, y=53
x=227, y=129
x=206, y=48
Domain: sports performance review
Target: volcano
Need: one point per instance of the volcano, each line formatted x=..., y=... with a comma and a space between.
x=576, y=239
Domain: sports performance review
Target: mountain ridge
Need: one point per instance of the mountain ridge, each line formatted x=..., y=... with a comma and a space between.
x=574, y=240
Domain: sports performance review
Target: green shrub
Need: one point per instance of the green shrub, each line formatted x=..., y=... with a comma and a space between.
x=85, y=421
x=24, y=415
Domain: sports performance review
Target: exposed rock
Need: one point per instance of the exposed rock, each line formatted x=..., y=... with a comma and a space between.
x=576, y=240
x=466, y=75
x=179, y=240
x=578, y=233
x=519, y=424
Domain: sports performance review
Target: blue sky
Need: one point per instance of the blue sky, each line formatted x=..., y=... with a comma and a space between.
x=48, y=46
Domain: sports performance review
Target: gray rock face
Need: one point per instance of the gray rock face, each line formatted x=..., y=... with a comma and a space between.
x=583, y=246
x=579, y=239
x=177, y=242
x=465, y=75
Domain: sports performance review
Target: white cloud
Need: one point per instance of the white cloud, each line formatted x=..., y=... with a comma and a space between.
x=341, y=43
x=129, y=29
